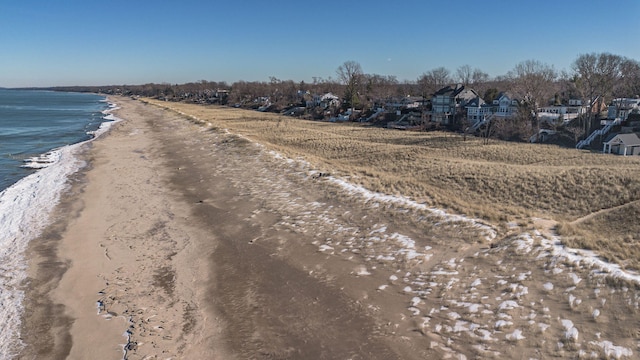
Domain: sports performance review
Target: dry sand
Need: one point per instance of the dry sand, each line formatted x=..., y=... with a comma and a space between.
x=185, y=242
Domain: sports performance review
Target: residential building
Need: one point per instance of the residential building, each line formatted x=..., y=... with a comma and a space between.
x=405, y=102
x=478, y=110
x=505, y=106
x=443, y=104
x=622, y=144
x=325, y=101
x=449, y=102
x=502, y=107
x=560, y=114
x=621, y=108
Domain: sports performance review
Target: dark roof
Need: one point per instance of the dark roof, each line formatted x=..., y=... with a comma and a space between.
x=475, y=102
x=449, y=89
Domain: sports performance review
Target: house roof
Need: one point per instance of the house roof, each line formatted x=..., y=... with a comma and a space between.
x=476, y=102
x=626, y=139
x=329, y=96
x=468, y=94
x=449, y=89
x=506, y=94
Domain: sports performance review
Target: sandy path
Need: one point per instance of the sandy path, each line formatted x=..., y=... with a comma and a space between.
x=204, y=245
x=601, y=212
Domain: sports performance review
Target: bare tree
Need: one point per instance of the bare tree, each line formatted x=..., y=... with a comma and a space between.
x=479, y=80
x=533, y=84
x=629, y=85
x=350, y=74
x=379, y=88
x=489, y=129
x=479, y=76
x=595, y=76
x=576, y=130
x=464, y=75
x=433, y=80
x=468, y=76
x=566, y=87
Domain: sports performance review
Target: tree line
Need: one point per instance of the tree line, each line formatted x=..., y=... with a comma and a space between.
x=593, y=77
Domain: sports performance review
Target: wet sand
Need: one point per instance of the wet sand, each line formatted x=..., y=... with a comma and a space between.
x=182, y=241
x=119, y=269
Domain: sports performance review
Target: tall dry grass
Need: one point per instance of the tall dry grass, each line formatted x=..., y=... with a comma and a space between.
x=614, y=234
x=498, y=181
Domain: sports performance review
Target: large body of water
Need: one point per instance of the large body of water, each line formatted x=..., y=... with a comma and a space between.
x=40, y=132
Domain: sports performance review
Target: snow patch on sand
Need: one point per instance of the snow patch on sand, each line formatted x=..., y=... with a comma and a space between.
x=612, y=351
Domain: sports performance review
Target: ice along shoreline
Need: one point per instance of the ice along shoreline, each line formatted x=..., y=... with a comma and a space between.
x=25, y=209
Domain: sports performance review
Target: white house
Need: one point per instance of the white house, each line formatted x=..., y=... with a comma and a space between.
x=562, y=113
x=478, y=110
x=405, y=102
x=622, y=144
x=621, y=108
x=504, y=106
x=326, y=100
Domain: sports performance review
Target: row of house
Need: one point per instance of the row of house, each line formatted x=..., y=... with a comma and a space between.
x=455, y=103
x=450, y=101
x=623, y=117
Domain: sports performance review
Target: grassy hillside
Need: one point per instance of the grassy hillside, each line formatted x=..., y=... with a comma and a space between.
x=594, y=197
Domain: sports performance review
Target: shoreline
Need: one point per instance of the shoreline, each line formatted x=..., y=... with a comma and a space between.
x=46, y=321
x=105, y=266
x=35, y=196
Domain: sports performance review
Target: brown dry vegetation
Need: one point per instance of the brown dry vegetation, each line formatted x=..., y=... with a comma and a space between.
x=498, y=181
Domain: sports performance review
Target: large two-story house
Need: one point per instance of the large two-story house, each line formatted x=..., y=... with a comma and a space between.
x=478, y=110
x=450, y=102
x=504, y=107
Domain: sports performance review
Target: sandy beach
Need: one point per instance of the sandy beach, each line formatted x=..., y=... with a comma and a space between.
x=154, y=255
x=119, y=235
x=182, y=241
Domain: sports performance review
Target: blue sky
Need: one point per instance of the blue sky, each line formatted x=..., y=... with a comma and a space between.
x=91, y=42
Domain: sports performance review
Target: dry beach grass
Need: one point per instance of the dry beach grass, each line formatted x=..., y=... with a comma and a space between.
x=593, y=197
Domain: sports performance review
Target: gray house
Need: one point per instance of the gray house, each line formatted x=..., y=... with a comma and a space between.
x=449, y=102
x=622, y=144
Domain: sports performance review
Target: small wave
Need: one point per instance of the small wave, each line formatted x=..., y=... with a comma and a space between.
x=25, y=208
x=42, y=161
x=24, y=213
